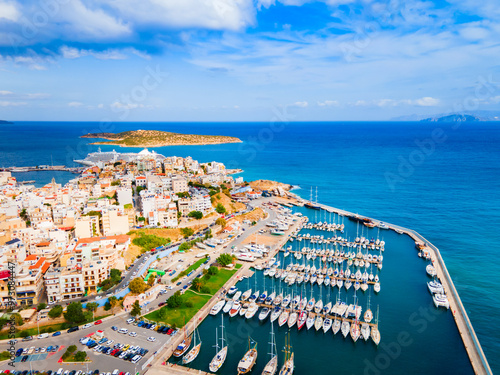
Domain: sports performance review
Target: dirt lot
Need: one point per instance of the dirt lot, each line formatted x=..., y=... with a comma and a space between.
x=226, y=202
x=268, y=185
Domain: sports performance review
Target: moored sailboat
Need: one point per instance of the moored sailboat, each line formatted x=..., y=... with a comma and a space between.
x=248, y=361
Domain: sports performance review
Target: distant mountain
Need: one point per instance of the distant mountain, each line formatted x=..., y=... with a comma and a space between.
x=454, y=118
x=5, y=122
x=474, y=116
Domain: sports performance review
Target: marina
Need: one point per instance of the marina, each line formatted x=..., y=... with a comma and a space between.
x=330, y=330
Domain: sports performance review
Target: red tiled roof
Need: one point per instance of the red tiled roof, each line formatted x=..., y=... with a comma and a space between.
x=38, y=264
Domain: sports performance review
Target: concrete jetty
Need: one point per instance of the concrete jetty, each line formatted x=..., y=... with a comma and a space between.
x=470, y=340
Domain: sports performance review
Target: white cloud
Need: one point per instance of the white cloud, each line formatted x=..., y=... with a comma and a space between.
x=4, y=103
x=301, y=104
x=75, y=104
x=120, y=105
x=4, y=92
x=100, y=106
x=329, y=103
x=109, y=54
x=211, y=14
x=9, y=11
x=427, y=102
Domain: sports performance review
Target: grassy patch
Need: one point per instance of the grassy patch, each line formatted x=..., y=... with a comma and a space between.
x=189, y=269
x=4, y=355
x=183, y=314
x=149, y=241
x=217, y=281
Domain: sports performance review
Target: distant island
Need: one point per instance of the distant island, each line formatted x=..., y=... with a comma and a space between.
x=454, y=118
x=4, y=122
x=156, y=138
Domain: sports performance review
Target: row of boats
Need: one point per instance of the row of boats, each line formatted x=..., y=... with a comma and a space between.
x=339, y=240
x=357, y=280
x=435, y=287
x=336, y=256
x=247, y=362
x=301, y=312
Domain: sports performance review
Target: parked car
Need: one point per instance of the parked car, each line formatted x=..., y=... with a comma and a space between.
x=97, y=322
x=73, y=329
x=58, y=333
x=88, y=325
x=151, y=339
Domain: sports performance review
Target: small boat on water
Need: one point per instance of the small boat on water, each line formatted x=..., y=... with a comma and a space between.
x=435, y=287
x=303, y=303
x=288, y=365
x=254, y=296
x=292, y=319
x=264, y=313
x=375, y=333
x=310, y=320
x=275, y=313
x=345, y=328
x=271, y=366
x=237, y=296
x=355, y=331
x=336, y=326
x=318, y=323
x=431, y=271
x=252, y=310
x=221, y=355
x=441, y=300
x=246, y=295
x=283, y=318
x=327, y=324
x=248, y=361
x=318, y=306
x=232, y=290
x=365, y=331
x=270, y=298
x=310, y=304
x=301, y=320
x=183, y=346
x=376, y=287
x=235, y=309
x=193, y=353
x=244, y=308
x=217, y=307
x=228, y=306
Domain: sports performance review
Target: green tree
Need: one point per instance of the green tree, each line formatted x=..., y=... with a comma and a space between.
x=115, y=275
x=74, y=313
x=91, y=306
x=162, y=313
x=186, y=232
x=80, y=356
x=225, y=259
x=24, y=334
x=41, y=306
x=175, y=301
x=72, y=348
x=136, y=309
x=116, y=183
x=213, y=270
x=220, y=208
x=137, y=286
x=196, y=214
x=220, y=221
x=197, y=284
x=55, y=312
x=113, y=301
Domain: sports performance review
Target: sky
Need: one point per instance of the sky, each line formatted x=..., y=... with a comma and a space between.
x=246, y=60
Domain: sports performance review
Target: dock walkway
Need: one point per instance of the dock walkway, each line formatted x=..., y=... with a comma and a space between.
x=469, y=338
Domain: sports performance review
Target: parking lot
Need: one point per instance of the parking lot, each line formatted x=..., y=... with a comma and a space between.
x=100, y=361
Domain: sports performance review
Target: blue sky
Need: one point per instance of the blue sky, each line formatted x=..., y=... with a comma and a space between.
x=243, y=60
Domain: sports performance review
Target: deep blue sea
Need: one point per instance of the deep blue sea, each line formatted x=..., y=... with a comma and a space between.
x=442, y=180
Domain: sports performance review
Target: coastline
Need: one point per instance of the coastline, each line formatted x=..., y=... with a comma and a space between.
x=164, y=144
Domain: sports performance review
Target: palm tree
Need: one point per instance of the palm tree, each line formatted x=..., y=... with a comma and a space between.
x=197, y=284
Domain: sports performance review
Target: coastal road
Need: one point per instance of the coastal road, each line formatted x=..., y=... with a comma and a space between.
x=107, y=363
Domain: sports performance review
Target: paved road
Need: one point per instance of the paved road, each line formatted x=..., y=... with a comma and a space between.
x=104, y=362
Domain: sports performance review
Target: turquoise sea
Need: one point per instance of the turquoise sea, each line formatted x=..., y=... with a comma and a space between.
x=439, y=179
